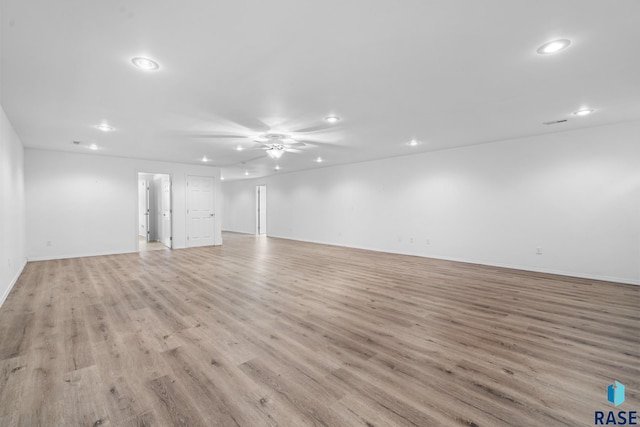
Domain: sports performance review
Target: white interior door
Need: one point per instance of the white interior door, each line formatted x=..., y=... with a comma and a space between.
x=142, y=208
x=147, y=214
x=200, y=214
x=166, y=211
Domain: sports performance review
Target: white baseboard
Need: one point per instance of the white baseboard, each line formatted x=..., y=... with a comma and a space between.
x=67, y=256
x=580, y=275
x=3, y=298
x=613, y=279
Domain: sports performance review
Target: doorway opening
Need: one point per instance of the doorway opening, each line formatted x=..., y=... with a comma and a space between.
x=261, y=209
x=154, y=212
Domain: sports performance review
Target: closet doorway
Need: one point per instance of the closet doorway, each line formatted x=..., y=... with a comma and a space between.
x=154, y=212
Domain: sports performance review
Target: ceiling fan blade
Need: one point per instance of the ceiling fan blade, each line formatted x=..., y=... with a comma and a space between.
x=296, y=143
x=314, y=128
x=251, y=160
x=251, y=123
x=209, y=136
x=323, y=144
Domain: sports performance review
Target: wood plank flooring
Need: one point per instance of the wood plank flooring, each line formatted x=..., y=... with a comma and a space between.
x=271, y=332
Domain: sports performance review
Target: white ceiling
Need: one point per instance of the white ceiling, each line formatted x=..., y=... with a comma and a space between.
x=446, y=72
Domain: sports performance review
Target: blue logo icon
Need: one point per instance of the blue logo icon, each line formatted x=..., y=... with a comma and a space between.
x=615, y=393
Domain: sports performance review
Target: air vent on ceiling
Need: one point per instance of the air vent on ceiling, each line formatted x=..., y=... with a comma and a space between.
x=554, y=122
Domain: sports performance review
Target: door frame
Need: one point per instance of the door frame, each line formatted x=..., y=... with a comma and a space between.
x=259, y=226
x=170, y=246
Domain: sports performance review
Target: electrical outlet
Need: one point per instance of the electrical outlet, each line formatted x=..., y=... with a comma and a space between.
x=428, y=241
x=48, y=242
x=410, y=239
x=538, y=251
x=9, y=262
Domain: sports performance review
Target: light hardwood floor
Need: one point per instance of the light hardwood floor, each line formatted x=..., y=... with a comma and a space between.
x=144, y=246
x=265, y=332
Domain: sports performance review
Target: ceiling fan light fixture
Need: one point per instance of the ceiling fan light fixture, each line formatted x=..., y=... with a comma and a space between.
x=275, y=152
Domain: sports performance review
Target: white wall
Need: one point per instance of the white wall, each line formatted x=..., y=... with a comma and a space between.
x=239, y=201
x=12, y=207
x=86, y=204
x=575, y=195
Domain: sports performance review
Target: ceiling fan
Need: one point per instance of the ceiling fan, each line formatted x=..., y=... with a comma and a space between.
x=276, y=142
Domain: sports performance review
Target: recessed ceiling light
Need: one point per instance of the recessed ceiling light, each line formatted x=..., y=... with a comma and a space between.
x=93, y=147
x=277, y=167
x=332, y=119
x=145, y=64
x=554, y=46
x=222, y=178
x=204, y=159
x=583, y=112
x=239, y=148
x=319, y=160
x=246, y=173
x=104, y=127
x=413, y=142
